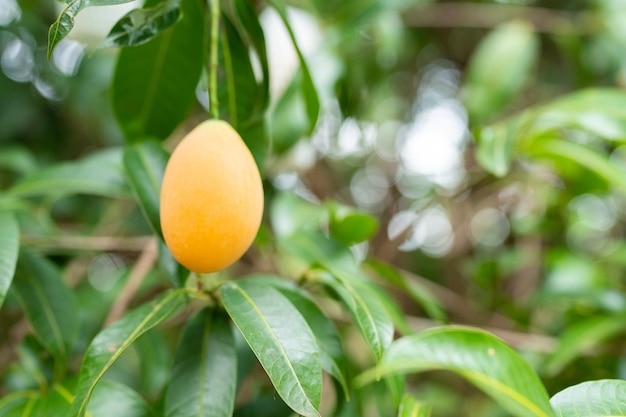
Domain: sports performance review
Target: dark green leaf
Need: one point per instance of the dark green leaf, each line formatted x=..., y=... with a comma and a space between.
x=281, y=339
x=9, y=249
x=111, y=342
x=154, y=84
x=478, y=356
x=204, y=379
x=603, y=398
x=582, y=336
x=499, y=68
x=247, y=22
x=156, y=360
x=48, y=303
x=141, y=25
x=410, y=407
x=111, y=398
x=100, y=173
x=145, y=163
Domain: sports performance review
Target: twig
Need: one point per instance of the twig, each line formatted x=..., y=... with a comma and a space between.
x=87, y=243
x=214, y=59
x=143, y=265
x=476, y=15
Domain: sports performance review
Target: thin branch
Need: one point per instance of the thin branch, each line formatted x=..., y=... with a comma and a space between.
x=143, y=265
x=476, y=15
x=87, y=243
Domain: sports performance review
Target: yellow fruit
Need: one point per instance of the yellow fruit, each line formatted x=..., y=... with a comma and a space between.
x=211, y=198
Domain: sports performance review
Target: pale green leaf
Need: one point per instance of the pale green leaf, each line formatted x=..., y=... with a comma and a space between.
x=602, y=398
x=9, y=249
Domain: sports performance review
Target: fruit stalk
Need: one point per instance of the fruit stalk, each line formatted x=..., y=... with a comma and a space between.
x=213, y=59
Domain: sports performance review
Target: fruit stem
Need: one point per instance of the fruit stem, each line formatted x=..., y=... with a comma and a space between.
x=214, y=109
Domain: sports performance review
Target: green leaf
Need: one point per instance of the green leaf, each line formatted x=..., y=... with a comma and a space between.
x=290, y=213
x=417, y=292
x=582, y=336
x=99, y=173
x=242, y=100
x=366, y=309
x=499, y=68
x=145, y=164
x=63, y=25
x=204, y=379
x=479, y=357
x=154, y=84
x=18, y=403
x=495, y=148
x=282, y=341
x=602, y=398
x=48, y=303
x=350, y=226
x=599, y=111
x=297, y=111
x=111, y=398
x=247, y=22
x=585, y=157
x=175, y=272
x=325, y=331
x=65, y=22
x=141, y=25
x=111, y=342
x=9, y=250
x=410, y=407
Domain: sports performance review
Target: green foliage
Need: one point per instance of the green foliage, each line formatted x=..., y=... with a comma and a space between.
x=426, y=164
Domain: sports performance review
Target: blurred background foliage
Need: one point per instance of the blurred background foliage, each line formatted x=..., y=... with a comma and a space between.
x=531, y=249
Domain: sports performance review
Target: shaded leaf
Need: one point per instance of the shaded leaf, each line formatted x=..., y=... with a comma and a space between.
x=112, y=341
x=9, y=249
x=582, y=336
x=18, y=403
x=175, y=272
x=111, y=398
x=145, y=164
x=204, y=379
x=410, y=407
x=296, y=112
x=603, y=398
x=141, y=25
x=48, y=303
x=281, y=339
x=478, y=356
x=99, y=173
x=154, y=84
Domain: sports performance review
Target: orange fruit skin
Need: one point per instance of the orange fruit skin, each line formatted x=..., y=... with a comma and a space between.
x=211, y=198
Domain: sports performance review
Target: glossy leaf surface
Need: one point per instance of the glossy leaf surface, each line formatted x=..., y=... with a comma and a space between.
x=479, y=357
x=282, y=341
x=602, y=398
